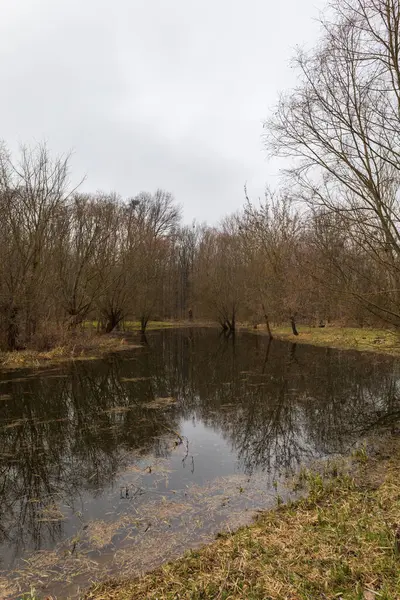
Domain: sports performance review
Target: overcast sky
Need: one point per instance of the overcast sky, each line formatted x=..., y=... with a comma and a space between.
x=152, y=93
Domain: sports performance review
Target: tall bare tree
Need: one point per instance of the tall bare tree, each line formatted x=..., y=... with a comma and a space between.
x=33, y=191
x=341, y=126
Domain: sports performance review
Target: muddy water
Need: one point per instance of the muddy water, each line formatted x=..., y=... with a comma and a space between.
x=115, y=466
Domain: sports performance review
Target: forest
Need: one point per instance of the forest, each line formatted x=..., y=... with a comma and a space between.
x=323, y=247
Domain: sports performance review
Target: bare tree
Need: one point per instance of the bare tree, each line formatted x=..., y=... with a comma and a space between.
x=341, y=127
x=220, y=275
x=33, y=191
x=155, y=221
x=270, y=232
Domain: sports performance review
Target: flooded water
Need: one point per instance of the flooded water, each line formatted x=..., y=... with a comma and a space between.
x=115, y=466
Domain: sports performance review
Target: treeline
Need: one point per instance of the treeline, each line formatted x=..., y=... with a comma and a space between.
x=324, y=247
x=69, y=257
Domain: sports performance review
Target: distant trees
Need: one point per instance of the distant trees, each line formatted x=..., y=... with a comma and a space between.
x=156, y=220
x=85, y=248
x=69, y=257
x=187, y=244
x=220, y=275
x=269, y=232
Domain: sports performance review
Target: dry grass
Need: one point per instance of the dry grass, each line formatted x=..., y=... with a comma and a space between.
x=85, y=347
x=365, y=339
x=340, y=542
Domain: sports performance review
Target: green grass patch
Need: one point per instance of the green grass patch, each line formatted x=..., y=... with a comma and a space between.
x=151, y=325
x=136, y=326
x=364, y=339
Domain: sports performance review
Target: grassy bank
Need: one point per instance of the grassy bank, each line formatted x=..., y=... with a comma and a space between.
x=86, y=347
x=155, y=325
x=349, y=338
x=384, y=341
x=92, y=346
x=341, y=541
x=136, y=326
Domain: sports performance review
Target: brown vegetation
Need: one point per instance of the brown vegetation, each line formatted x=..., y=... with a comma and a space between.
x=381, y=341
x=82, y=347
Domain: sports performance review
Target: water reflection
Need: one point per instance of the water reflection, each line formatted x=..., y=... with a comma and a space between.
x=241, y=404
x=61, y=435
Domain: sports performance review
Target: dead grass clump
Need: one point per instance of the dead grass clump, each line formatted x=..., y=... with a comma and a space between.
x=100, y=533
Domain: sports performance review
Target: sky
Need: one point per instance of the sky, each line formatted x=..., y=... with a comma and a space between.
x=153, y=94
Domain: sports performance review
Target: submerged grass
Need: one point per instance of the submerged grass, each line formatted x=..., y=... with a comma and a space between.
x=341, y=541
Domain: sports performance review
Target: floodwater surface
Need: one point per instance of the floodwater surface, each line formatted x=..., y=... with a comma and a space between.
x=114, y=466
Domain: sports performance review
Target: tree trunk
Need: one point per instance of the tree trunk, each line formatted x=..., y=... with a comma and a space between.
x=143, y=323
x=224, y=325
x=113, y=320
x=267, y=323
x=12, y=330
x=75, y=319
x=293, y=324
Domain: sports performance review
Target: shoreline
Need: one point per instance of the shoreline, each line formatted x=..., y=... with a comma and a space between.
x=379, y=341
x=89, y=349
x=341, y=540
x=89, y=346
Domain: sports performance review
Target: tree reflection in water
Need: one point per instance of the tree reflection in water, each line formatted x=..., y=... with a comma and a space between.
x=66, y=434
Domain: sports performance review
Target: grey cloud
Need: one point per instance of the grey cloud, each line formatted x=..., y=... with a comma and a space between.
x=154, y=93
